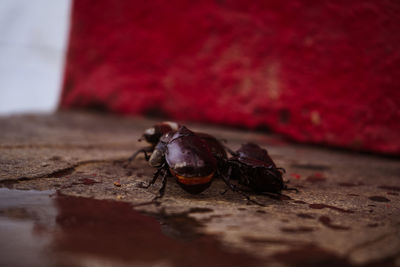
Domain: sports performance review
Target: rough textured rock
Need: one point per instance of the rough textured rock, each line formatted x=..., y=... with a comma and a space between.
x=320, y=72
x=346, y=211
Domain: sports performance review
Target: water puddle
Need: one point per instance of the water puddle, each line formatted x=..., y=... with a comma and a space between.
x=23, y=227
x=43, y=228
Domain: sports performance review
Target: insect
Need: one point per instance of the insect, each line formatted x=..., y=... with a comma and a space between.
x=253, y=167
x=194, y=159
x=187, y=157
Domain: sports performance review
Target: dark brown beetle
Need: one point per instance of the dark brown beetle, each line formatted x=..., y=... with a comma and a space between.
x=187, y=157
x=253, y=167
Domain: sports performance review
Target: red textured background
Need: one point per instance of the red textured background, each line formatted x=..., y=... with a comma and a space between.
x=317, y=71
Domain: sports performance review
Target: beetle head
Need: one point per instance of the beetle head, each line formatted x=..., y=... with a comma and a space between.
x=153, y=134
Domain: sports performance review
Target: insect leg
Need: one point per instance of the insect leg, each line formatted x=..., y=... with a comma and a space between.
x=144, y=150
x=160, y=192
x=223, y=192
x=233, y=153
x=234, y=188
x=155, y=177
x=274, y=173
x=282, y=170
x=277, y=196
x=290, y=188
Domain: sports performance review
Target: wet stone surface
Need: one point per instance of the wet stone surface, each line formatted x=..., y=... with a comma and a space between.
x=70, y=198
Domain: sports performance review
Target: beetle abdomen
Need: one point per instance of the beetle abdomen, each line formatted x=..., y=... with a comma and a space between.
x=258, y=175
x=191, y=162
x=267, y=180
x=193, y=180
x=193, y=185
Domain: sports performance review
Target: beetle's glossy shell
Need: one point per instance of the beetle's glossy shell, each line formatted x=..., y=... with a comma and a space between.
x=190, y=160
x=189, y=156
x=253, y=151
x=254, y=168
x=217, y=149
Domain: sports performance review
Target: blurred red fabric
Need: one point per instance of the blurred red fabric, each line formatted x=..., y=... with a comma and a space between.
x=324, y=72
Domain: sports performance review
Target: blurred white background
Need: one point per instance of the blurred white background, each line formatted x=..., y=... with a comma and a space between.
x=33, y=42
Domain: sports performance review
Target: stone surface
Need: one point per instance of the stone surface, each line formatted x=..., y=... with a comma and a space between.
x=347, y=210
